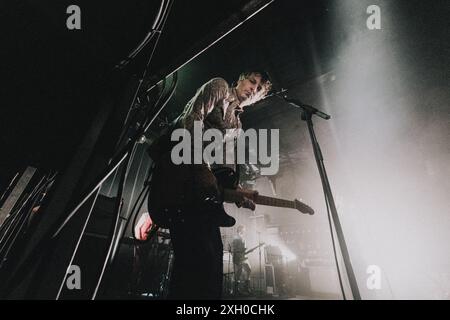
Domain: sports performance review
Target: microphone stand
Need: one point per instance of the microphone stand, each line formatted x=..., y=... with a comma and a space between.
x=307, y=113
x=228, y=276
x=260, y=266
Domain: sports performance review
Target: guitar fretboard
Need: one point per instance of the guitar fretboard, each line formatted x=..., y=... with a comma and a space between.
x=236, y=196
x=274, y=202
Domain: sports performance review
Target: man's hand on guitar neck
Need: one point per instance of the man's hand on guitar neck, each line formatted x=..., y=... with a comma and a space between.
x=247, y=198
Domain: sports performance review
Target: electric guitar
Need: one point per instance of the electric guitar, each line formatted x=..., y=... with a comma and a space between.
x=172, y=195
x=240, y=257
x=253, y=249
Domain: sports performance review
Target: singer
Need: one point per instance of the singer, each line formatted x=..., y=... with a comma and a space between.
x=197, y=244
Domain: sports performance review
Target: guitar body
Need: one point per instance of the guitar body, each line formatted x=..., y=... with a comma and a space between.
x=188, y=192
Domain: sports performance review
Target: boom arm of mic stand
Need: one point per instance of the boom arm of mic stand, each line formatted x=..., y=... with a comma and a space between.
x=310, y=109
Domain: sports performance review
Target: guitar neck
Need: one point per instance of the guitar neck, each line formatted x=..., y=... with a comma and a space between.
x=274, y=202
x=234, y=196
x=254, y=248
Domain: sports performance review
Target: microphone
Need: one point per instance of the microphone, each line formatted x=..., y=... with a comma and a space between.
x=277, y=94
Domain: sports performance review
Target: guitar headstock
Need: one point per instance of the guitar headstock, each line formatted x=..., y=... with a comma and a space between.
x=304, y=208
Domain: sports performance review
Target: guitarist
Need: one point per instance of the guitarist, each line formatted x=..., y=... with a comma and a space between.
x=242, y=269
x=197, y=244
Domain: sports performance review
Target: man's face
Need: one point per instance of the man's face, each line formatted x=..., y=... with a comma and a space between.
x=250, y=89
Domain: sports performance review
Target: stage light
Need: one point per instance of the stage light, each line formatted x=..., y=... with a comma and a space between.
x=389, y=125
